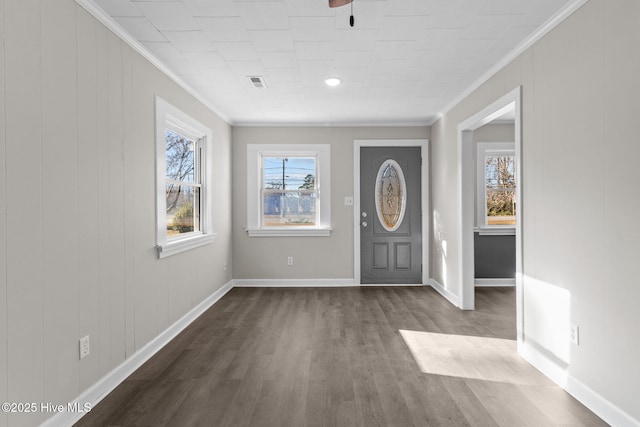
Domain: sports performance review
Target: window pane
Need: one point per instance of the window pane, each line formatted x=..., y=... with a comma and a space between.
x=294, y=172
x=290, y=208
x=183, y=209
x=180, y=157
x=500, y=193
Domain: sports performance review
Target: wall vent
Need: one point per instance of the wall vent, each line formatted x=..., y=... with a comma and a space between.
x=258, y=82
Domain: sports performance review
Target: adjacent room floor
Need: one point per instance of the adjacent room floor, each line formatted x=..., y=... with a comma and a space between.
x=396, y=356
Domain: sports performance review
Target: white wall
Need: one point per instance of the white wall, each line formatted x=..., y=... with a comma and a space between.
x=581, y=98
x=77, y=206
x=314, y=257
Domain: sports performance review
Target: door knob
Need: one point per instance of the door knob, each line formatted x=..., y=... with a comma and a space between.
x=364, y=214
x=363, y=223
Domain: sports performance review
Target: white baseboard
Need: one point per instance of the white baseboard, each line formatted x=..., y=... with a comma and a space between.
x=495, y=282
x=94, y=394
x=452, y=298
x=606, y=410
x=292, y=283
x=308, y=283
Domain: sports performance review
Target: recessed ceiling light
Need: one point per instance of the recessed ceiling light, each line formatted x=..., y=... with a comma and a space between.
x=332, y=81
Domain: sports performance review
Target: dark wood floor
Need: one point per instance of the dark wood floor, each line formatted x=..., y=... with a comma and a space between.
x=329, y=357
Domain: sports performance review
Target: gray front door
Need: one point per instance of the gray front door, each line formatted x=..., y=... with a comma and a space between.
x=390, y=220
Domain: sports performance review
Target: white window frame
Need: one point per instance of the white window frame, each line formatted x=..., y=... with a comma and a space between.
x=255, y=154
x=170, y=117
x=484, y=149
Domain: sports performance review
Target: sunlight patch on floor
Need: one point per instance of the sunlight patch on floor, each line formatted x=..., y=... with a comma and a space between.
x=490, y=359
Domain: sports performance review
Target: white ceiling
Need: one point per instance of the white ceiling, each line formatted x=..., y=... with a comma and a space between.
x=404, y=61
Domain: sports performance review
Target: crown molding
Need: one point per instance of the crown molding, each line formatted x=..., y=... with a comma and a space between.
x=97, y=12
x=549, y=25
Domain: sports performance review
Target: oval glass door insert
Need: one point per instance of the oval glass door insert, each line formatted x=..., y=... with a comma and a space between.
x=391, y=197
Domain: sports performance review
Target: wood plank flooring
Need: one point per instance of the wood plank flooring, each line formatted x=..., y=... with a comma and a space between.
x=330, y=357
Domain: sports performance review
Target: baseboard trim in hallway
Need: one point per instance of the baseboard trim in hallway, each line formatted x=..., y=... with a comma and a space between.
x=600, y=406
x=94, y=394
x=306, y=283
x=292, y=283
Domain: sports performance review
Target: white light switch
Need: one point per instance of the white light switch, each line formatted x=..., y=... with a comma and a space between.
x=348, y=201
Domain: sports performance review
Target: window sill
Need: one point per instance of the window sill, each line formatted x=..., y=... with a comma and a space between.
x=289, y=232
x=497, y=231
x=176, y=247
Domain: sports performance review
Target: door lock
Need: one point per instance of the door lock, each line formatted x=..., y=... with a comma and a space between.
x=364, y=214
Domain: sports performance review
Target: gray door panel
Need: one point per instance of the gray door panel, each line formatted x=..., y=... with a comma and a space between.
x=390, y=256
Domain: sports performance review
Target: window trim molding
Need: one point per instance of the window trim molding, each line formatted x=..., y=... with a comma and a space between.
x=255, y=153
x=167, y=115
x=482, y=228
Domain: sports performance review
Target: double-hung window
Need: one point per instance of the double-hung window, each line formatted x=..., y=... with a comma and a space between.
x=288, y=190
x=496, y=184
x=183, y=189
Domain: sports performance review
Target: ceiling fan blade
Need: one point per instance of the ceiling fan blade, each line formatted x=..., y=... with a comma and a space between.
x=337, y=3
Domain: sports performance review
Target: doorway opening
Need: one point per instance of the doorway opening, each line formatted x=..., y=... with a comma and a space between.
x=509, y=104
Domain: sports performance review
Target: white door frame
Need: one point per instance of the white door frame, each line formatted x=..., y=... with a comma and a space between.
x=424, y=174
x=466, y=190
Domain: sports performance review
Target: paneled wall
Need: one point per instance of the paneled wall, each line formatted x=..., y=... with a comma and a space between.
x=314, y=257
x=581, y=98
x=77, y=205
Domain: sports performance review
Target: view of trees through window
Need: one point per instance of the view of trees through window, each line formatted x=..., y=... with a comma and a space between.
x=182, y=185
x=500, y=190
x=289, y=193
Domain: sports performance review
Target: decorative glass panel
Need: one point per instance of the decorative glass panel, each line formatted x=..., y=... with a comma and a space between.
x=391, y=199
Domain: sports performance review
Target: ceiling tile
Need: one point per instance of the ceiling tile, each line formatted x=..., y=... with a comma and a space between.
x=170, y=16
x=223, y=29
x=309, y=8
x=118, y=8
x=211, y=8
x=314, y=50
x=163, y=50
x=316, y=68
x=264, y=15
x=355, y=40
x=272, y=40
x=312, y=28
x=279, y=59
x=140, y=28
x=236, y=51
x=189, y=41
x=351, y=59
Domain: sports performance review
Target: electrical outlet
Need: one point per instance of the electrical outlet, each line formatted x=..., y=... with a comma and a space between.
x=84, y=347
x=290, y=260
x=574, y=334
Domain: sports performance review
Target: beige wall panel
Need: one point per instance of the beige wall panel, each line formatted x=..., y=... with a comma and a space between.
x=89, y=302
x=59, y=202
x=580, y=99
x=622, y=293
x=130, y=189
x=23, y=118
x=102, y=341
x=317, y=257
x=147, y=279
x=3, y=233
x=116, y=200
x=79, y=105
